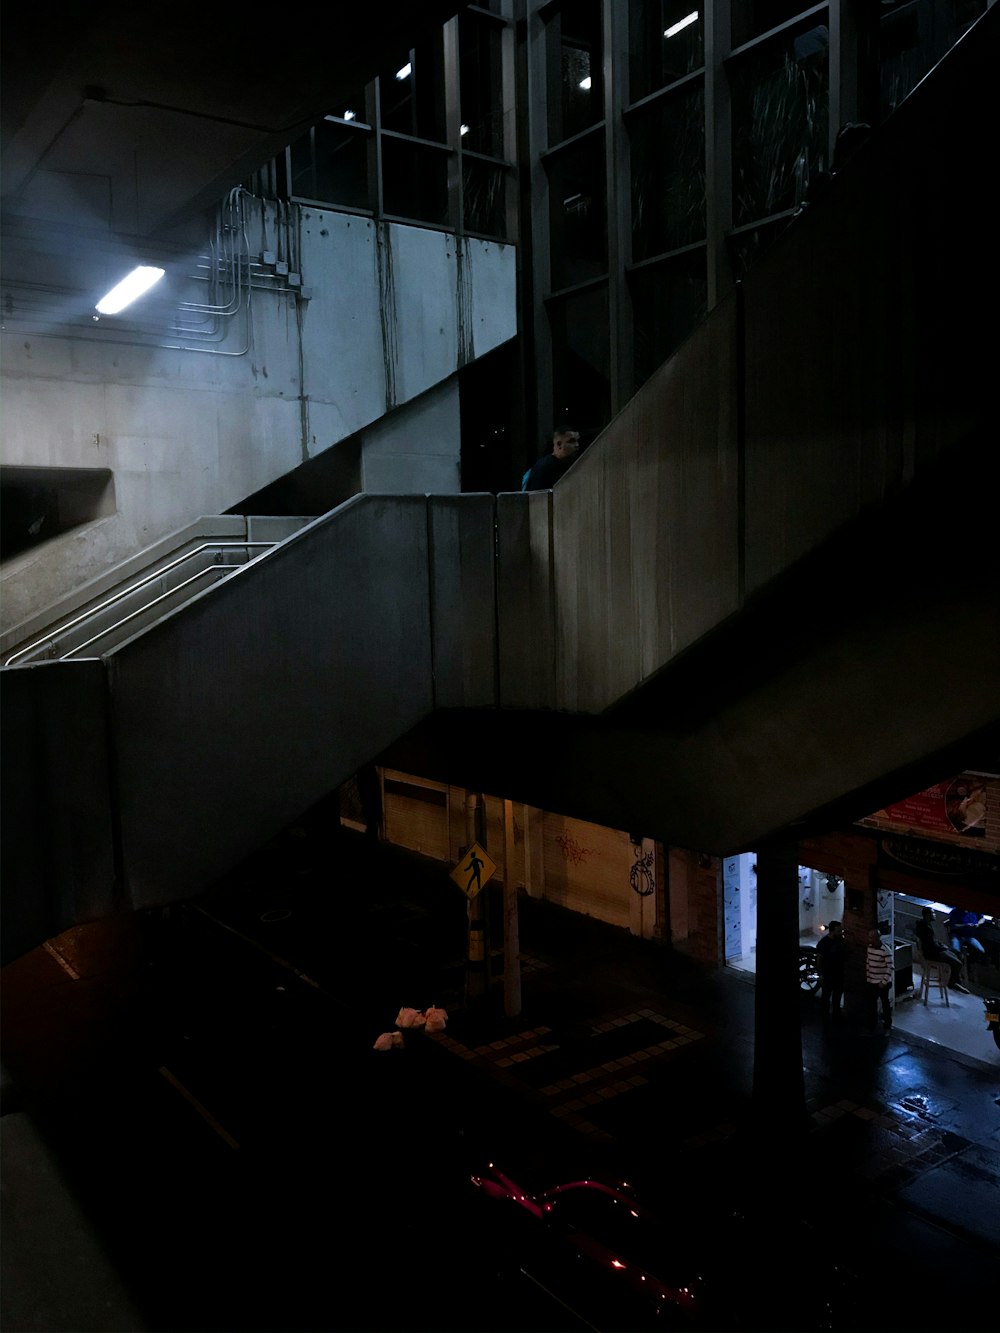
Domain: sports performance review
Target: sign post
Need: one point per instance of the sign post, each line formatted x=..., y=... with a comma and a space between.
x=511, y=942
x=472, y=873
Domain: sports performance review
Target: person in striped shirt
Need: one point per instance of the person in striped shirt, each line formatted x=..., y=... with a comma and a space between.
x=878, y=980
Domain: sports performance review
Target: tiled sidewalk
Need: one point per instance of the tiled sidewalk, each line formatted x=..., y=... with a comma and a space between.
x=574, y=1080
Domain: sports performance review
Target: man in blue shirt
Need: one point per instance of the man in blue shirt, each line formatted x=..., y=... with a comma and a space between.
x=550, y=467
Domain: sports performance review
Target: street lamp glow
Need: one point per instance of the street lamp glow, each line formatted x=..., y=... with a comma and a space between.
x=405, y=72
x=685, y=22
x=348, y=115
x=129, y=289
x=585, y=83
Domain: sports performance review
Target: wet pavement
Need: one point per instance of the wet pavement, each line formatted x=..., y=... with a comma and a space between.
x=214, y=1099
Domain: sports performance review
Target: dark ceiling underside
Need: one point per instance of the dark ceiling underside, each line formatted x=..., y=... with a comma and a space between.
x=204, y=94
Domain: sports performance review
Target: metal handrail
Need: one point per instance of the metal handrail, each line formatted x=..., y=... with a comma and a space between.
x=200, y=573
x=122, y=593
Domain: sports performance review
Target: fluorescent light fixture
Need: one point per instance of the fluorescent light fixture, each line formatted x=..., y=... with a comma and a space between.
x=463, y=129
x=129, y=289
x=348, y=115
x=405, y=72
x=585, y=83
x=685, y=22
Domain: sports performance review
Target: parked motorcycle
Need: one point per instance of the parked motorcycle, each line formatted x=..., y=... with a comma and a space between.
x=808, y=968
x=992, y=1003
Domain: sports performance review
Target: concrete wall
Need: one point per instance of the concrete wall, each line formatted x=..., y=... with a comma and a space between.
x=636, y=553
x=645, y=526
x=191, y=424
x=414, y=449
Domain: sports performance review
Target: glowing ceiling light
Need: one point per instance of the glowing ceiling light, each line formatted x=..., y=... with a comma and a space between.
x=129, y=289
x=348, y=115
x=685, y=22
x=585, y=83
x=405, y=72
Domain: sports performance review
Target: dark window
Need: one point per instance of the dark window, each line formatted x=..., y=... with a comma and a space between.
x=912, y=36
x=485, y=197
x=668, y=174
x=414, y=181
x=581, y=376
x=481, y=86
x=577, y=213
x=779, y=97
x=665, y=43
x=575, y=83
x=901, y=62
x=330, y=165
x=668, y=300
x=411, y=93
x=751, y=18
x=489, y=397
x=355, y=108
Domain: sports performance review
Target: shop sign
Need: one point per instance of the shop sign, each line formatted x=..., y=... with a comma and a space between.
x=961, y=811
x=941, y=860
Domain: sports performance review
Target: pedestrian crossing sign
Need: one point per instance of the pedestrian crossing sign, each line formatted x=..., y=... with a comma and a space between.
x=473, y=871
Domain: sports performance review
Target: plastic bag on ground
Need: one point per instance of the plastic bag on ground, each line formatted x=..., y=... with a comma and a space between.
x=409, y=1018
x=388, y=1041
x=435, y=1019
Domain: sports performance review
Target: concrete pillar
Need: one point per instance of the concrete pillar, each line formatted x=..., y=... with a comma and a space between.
x=778, y=1084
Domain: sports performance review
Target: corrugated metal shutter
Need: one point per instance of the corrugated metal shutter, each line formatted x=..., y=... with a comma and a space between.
x=587, y=868
x=416, y=816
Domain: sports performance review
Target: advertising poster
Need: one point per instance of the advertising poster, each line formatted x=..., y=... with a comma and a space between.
x=964, y=810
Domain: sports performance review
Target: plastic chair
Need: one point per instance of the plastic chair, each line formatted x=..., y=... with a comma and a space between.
x=932, y=973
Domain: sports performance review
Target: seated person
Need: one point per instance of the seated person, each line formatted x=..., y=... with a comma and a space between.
x=962, y=931
x=935, y=952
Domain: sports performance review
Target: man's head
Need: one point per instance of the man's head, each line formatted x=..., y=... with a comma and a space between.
x=835, y=928
x=874, y=937
x=928, y=913
x=565, y=442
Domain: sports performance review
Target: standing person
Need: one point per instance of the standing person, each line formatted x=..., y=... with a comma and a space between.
x=878, y=979
x=935, y=952
x=831, y=955
x=551, y=466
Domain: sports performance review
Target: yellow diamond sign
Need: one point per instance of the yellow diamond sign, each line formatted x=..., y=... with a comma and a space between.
x=473, y=871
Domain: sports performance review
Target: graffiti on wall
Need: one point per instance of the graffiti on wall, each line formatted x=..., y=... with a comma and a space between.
x=572, y=851
x=641, y=875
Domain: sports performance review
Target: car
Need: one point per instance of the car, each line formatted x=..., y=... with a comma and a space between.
x=609, y=1262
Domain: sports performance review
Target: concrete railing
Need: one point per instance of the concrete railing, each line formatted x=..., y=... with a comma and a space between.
x=93, y=618
x=201, y=737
